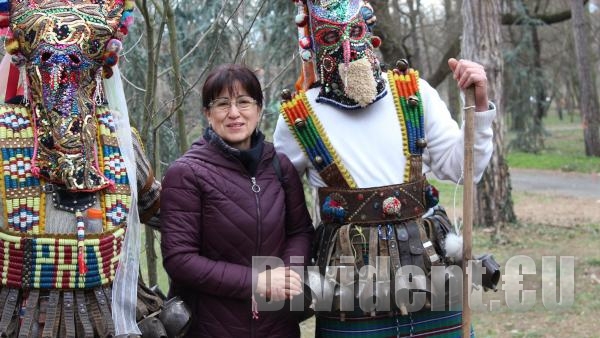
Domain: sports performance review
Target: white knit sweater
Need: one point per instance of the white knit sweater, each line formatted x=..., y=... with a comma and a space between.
x=370, y=145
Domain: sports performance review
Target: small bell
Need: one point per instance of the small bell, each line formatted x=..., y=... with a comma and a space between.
x=402, y=65
x=413, y=101
x=299, y=123
x=286, y=95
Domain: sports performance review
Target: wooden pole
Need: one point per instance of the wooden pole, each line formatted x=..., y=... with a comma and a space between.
x=467, y=232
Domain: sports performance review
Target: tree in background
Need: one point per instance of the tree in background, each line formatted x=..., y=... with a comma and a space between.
x=590, y=112
x=481, y=43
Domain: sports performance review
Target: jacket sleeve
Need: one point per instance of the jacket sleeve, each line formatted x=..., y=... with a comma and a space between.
x=299, y=228
x=445, y=142
x=181, y=229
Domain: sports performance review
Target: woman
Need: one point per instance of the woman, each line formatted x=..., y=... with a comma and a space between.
x=223, y=203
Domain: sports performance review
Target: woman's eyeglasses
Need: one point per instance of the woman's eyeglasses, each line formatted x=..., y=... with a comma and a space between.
x=223, y=104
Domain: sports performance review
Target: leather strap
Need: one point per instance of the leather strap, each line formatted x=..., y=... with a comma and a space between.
x=109, y=326
x=415, y=245
x=396, y=255
x=53, y=314
x=95, y=313
x=8, y=311
x=383, y=243
x=333, y=177
x=373, y=249
x=357, y=239
x=43, y=310
x=31, y=311
x=344, y=240
x=84, y=325
x=404, y=249
x=416, y=168
x=433, y=257
x=108, y=293
x=68, y=315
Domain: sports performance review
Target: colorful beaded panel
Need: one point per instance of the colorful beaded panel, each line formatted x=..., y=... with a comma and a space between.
x=310, y=135
x=29, y=257
x=115, y=202
x=21, y=190
x=47, y=262
x=405, y=89
x=409, y=107
x=308, y=131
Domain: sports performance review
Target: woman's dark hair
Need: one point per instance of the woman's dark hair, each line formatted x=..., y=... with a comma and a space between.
x=224, y=77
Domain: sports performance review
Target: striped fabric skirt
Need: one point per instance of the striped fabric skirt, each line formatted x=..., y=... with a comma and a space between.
x=439, y=324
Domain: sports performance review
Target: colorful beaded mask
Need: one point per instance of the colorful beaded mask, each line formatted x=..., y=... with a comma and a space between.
x=342, y=42
x=64, y=47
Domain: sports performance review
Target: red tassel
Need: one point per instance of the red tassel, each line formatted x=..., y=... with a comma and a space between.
x=80, y=259
x=35, y=171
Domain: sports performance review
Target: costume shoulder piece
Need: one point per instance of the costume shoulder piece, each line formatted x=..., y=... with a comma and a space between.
x=308, y=131
x=404, y=84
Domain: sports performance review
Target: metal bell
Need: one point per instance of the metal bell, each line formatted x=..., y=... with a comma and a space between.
x=286, y=95
x=299, y=123
x=176, y=317
x=152, y=327
x=413, y=101
x=402, y=65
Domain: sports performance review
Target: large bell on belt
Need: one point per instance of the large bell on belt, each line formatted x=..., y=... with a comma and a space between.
x=152, y=327
x=176, y=317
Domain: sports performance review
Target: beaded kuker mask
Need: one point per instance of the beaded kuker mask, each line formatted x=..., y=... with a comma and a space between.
x=63, y=49
x=340, y=39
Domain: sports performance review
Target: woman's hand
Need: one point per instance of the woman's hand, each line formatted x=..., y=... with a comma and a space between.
x=279, y=284
x=468, y=73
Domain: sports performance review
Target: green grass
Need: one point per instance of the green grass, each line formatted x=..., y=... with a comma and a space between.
x=564, y=149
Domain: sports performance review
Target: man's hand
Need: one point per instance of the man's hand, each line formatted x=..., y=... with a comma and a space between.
x=468, y=73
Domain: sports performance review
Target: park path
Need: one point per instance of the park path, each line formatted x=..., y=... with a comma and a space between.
x=556, y=183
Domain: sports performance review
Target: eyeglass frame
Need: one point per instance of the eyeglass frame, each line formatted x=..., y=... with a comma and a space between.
x=232, y=102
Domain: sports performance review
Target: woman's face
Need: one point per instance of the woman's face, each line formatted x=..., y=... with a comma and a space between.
x=234, y=116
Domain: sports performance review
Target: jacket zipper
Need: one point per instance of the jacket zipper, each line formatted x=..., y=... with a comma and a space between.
x=256, y=189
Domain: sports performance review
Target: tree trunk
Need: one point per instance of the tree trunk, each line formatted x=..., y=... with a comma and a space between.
x=150, y=110
x=175, y=62
x=452, y=19
x=588, y=98
x=391, y=36
x=480, y=43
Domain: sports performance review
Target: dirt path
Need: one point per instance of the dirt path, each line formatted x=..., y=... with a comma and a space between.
x=556, y=198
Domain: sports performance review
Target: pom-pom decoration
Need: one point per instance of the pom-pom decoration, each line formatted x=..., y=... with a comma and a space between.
x=114, y=45
x=375, y=41
x=392, y=206
x=11, y=46
x=306, y=55
x=305, y=43
x=301, y=20
x=453, y=245
x=110, y=59
x=107, y=72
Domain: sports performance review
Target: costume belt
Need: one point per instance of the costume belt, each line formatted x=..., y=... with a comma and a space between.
x=50, y=261
x=373, y=206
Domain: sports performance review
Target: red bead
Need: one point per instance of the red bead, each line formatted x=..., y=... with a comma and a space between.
x=360, y=197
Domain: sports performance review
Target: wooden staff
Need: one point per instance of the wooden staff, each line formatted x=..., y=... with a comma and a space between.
x=469, y=115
